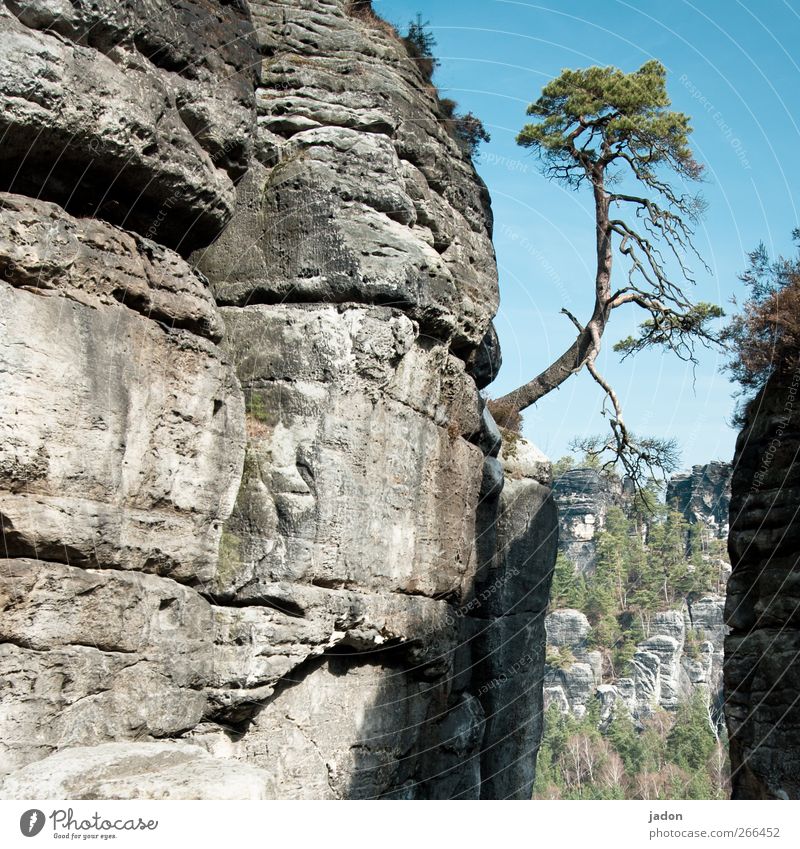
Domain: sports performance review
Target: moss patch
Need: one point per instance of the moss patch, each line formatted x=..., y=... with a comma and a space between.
x=229, y=561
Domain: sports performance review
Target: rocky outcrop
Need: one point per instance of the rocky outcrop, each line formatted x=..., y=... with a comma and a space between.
x=683, y=648
x=574, y=672
x=137, y=112
x=358, y=193
x=512, y=593
x=122, y=427
x=762, y=651
x=703, y=497
x=583, y=497
x=139, y=771
x=122, y=421
x=682, y=653
x=255, y=480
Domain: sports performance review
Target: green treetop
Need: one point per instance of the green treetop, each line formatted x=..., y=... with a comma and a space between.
x=604, y=128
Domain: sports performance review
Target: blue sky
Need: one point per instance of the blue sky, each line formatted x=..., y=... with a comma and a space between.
x=734, y=67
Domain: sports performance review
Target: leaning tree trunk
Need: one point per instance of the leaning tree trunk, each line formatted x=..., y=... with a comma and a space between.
x=588, y=341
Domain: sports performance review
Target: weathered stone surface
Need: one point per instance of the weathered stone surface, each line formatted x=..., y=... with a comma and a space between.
x=46, y=251
x=282, y=540
x=667, y=667
x=361, y=730
x=354, y=449
x=137, y=112
x=666, y=689
x=361, y=193
x=583, y=497
x=135, y=463
x=762, y=660
x=490, y=440
x=511, y=595
x=121, y=422
x=78, y=648
x=358, y=480
x=114, y=635
x=707, y=616
x=522, y=459
x=485, y=361
x=136, y=771
x=566, y=627
x=572, y=687
x=703, y=496
x=493, y=479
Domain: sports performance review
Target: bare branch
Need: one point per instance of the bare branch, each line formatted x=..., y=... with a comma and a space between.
x=601, y=125
x=572, y=318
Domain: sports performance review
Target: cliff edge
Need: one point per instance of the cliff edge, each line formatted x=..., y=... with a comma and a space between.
x=256, y=537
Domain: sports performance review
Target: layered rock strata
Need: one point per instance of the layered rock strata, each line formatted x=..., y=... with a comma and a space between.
x=762, y=651
x=681, y=654
x=247, y=488
x=683, y=649
x=703, y=496
x=583, y=497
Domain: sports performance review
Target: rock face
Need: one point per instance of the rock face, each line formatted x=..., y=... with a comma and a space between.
x=762, y=651
x=703, y=496
x=257, y=539
x=138, y=112
x=683, y=648
x=583, y=497
x=358, y=193
x=508, y=614
x=682, y=653
x=122, y=427
x=139, y=770
x=573, y=684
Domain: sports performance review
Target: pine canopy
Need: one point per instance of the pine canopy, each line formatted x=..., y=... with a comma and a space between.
x=595, y=116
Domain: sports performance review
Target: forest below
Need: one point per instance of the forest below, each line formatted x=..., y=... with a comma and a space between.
x=648, y=559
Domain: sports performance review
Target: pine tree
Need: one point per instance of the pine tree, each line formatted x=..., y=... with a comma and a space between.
x=626, y=740
x=691, y=741
x=568, y=588
x=606, y=130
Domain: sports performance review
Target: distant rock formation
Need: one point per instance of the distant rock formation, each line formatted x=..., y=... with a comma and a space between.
x=762, y=651
x=683, y=648
x=683, y=652
x=583, y=497
x=703, y=496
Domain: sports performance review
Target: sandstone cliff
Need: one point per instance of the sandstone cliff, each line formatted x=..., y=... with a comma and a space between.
x=583, y=497
x=762, y=652
x=681, y=653
x=682, y=649
x=703, y=496
x=256, y=538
